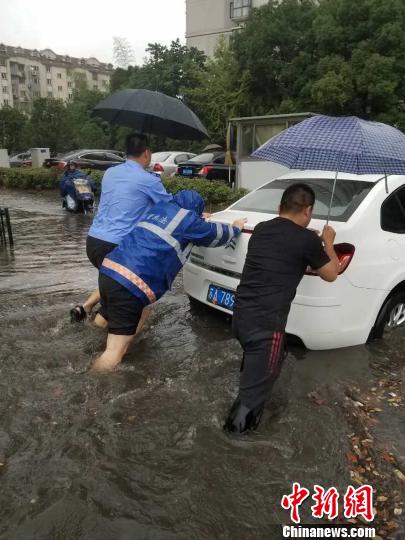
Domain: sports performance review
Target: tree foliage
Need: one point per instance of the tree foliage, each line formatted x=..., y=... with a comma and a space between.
x=335, y=57
x=13, y=126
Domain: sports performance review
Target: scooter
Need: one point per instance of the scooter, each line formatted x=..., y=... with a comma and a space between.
x=83, y=202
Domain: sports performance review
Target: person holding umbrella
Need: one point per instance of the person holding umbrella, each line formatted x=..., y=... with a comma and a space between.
x=128, y=191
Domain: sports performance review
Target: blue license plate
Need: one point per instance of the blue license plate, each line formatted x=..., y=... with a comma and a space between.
x=188, y=172
x=221, y=297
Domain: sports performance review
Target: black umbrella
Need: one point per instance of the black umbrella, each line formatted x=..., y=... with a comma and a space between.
x=151, y=112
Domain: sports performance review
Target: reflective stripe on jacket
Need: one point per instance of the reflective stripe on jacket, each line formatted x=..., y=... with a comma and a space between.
x=149, y=258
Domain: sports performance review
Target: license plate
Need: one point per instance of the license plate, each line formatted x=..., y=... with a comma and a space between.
x=188, y=172
x=221, y=297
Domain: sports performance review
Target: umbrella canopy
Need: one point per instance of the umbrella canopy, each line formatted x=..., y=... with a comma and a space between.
x=151, y=112
x=345, y=144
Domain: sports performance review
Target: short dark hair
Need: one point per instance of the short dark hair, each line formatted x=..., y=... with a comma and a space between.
x=296, y=198
x=136, y=144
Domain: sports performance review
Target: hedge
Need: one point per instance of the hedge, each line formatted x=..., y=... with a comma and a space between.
x=214, y=193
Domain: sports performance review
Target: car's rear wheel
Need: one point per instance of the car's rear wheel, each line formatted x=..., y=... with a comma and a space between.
x=391, y=316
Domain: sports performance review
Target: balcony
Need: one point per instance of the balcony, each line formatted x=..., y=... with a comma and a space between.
x=240, y=10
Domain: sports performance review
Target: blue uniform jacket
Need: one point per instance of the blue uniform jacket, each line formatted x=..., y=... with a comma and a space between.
x=149, y=258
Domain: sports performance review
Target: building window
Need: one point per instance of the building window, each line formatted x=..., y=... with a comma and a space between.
x=6, y=102
x=60, y=88
x=4, y=75
x=70, y=84
x=59, y=75
x=35, y=80
x=95, y=87
x=95, y=76
x=70, y=97
x=3, y=62
x=240, y=9
x=105, y=83
x=34, y=68
x=49, y=82
x=50, y=94
x=48, y=69
x=5, y=89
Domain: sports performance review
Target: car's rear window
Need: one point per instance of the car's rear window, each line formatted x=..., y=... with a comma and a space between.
x=203, y=158
x=348, y=195
x=160, y=156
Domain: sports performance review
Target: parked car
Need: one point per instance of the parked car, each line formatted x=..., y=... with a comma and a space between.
x=88, y=159
x=210, y=165
x=21, y=160
x=166, y=162
x=368, y=298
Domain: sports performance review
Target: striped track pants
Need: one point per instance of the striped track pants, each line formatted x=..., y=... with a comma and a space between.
x=262, y=361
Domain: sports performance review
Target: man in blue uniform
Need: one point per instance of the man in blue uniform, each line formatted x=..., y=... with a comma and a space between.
x=144, y=265
x=128, y=191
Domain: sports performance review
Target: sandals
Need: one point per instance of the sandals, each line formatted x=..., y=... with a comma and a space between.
x=78, y=314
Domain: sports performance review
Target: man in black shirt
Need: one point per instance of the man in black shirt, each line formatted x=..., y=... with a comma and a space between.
x=279, y=252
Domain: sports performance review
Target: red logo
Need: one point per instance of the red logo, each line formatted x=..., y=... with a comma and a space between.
x=294, y=501
x=357, y=502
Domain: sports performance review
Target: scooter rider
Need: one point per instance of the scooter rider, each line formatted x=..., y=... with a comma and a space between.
x=76, y=188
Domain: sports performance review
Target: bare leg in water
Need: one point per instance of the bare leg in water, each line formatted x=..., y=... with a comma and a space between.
x=117, y=346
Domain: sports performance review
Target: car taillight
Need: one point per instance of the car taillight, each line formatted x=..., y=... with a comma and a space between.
x=344, y=253
x=158, y=167
x=205, y=170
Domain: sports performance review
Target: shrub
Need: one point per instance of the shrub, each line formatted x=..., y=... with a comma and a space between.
x=214, y=193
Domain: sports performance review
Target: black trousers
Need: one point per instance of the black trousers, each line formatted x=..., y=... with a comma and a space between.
x=264, y=352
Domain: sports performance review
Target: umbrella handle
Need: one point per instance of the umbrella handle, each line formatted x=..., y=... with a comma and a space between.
x=331, y=199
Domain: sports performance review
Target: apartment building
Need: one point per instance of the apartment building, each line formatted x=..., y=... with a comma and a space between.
x=207, y=20
x=27, y=74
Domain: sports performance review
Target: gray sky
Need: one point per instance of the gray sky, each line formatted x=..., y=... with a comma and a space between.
x=86, y=28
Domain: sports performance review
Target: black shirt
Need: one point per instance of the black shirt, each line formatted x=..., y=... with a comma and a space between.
x=278, y=255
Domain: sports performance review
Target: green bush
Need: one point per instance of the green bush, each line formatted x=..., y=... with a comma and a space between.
x=214, y=193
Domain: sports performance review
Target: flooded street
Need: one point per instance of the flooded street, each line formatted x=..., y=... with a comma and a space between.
x=141, y=453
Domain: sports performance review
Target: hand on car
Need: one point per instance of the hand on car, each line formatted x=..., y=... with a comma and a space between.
x=239, y=223
x=328, y=235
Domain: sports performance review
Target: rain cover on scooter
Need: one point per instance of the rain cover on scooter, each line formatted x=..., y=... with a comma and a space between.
x=83, y=189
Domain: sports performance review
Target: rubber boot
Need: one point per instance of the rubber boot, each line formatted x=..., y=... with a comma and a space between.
x=242, y=419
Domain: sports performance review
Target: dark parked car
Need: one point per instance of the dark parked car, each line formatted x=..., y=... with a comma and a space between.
x=21, y=160
x=210, y=165
x=88, y=159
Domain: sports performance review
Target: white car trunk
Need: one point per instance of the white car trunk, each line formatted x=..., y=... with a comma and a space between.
x=233, y=260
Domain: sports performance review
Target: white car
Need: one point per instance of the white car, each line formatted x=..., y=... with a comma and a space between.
x=166, y=162
x=368, y=297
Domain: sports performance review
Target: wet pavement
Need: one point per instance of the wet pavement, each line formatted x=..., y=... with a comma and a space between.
x=140, y=453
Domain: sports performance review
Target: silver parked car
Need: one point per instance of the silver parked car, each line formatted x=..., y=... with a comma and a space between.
x=166, y=162
x=21, y=160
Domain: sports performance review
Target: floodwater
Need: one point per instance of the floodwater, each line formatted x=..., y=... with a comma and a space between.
x=141, y=453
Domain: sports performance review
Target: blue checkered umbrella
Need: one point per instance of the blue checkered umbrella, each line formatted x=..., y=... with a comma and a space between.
x=345, y=144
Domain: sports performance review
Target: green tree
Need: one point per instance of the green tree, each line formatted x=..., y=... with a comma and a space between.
x=87, y=131
x=49, y=125
x=13, y=124
x=276, y=50
x=220, y=93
